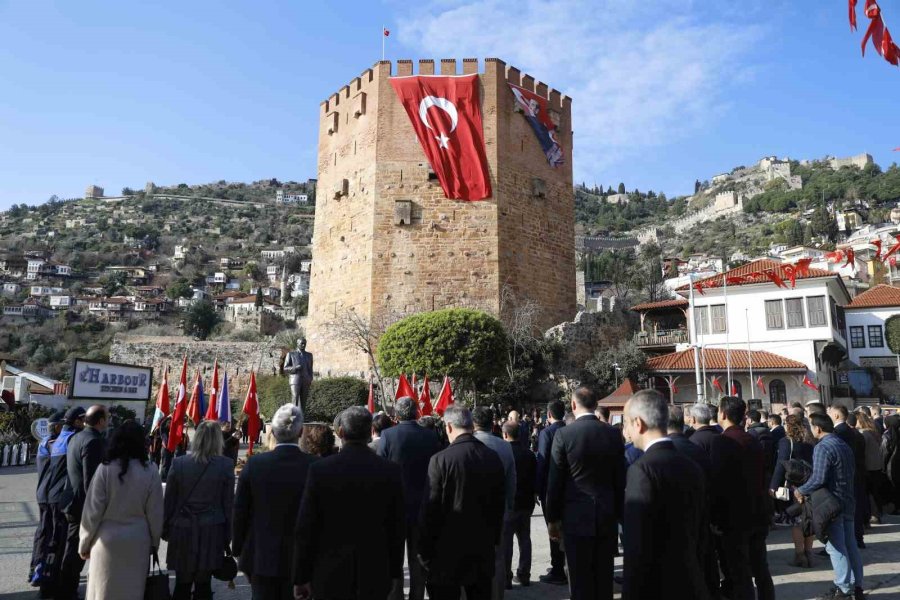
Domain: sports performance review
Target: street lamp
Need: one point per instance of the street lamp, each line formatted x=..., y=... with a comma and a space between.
x=616, y=370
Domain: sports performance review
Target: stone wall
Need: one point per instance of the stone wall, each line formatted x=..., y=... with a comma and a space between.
x=450, y=253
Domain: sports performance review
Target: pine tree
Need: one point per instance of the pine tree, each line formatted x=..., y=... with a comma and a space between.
x=621, y=188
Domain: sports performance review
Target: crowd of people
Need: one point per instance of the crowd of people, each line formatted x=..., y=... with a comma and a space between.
x=335, y=512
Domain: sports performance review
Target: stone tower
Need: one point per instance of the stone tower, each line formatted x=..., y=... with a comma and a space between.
x=388, y=243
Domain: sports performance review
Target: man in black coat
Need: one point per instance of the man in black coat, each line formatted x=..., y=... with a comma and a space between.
x=518, y=523
x=268, y=496
x=585, y=496
x=462, y=513
x=411, y=447
x=556, y=412
x=43, y=534
x=665, y=500
x=776, y=429
x=349, y=534
x=83, y=455
x=857, y=443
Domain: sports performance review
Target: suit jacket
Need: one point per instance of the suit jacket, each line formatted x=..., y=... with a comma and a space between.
x=349, y=535
x=526, y=468
x=857, y=443
x=695, y=453
x=728, y=496
x=268, y=495
x=545, y=445
x=755, y=475
x=665, y=501
x=304, y=359
x=587, y=478
x=504, y=451
x=83, y=455
x=778, y=434
x=462, y=513
x=411, y=447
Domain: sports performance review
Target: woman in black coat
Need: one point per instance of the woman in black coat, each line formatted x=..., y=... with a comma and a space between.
x=890, y=452
x=794, y=445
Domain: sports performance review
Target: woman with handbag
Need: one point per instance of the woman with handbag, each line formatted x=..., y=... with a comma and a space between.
x=198, y=508
x=793, y=446
x=874, y=477
x=122, y=518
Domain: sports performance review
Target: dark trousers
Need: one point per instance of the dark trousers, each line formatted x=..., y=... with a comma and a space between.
x=166, y=458
x=43, y=533
x=861, y=514
x=734, y=558
x=759, y=564
x=199, y=582
x=557, y=556
x=416, y=573
x=272, y=588
x=72, y=564
x=56, y=547
x=519, y=526
x=591, y=562
x=480, y=590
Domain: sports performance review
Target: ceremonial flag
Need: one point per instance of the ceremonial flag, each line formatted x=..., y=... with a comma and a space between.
x=425, y=399
x=734, y=389
x=716, y=383
x=808, y=383
x=194, y=410
x=386, y=32
x=371, y=402
x=162, y=401
x=445, y=398
x=404, y=389
x=534, y=108
x=224, y=410
x=251, y=409
x=176, y=430
x=761, y=385
x=414, y=388
x=445, y=112
x=212, y=410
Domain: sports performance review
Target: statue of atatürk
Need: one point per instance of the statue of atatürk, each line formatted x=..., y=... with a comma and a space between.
x=299, y=365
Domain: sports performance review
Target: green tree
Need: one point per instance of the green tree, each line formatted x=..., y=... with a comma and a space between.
x=301, y=305
x=469, y=345
x=794, y=233
x=200, y=319
x=822, y=223
x=258, y=299
x=892, y=333
x=180, y=288
x=114, y=282
x=331, y=395
x=621, y=188
x=631, y=362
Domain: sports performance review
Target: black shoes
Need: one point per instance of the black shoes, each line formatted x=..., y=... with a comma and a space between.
x=523, y=580
x=835, y=593
x=858, y=594
x=554, y=578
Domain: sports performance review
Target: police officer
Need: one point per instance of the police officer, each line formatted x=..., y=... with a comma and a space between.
x=44, y=531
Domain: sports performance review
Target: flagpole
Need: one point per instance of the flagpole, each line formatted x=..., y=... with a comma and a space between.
x=749, y=355
x=382, y=42
x=727, y=340
x=701, y=384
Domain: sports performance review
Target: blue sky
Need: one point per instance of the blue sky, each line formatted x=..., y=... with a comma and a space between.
x=665, y=91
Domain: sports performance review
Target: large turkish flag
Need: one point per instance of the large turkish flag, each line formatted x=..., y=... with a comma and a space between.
x=446, y=114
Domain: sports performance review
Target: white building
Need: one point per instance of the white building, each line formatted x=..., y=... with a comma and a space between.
x=11, y=289
x=43, y=290
x=282, y=198
x=35, y=268
x=866, y=339
x=60, y=302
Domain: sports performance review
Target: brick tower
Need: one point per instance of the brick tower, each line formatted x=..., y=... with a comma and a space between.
x=388, y=243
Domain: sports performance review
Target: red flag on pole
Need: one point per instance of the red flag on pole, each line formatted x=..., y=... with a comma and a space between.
x=386, y=32
x=808, y=383
x=212, y=412
x=445, y=398
x=717, y=384
x=761, y=385
x=404, y=389
x=251, y=409
x=734, y=388
x=193, y=409
x=414, y=388
x=445, y=113
x=162, y=401
x=371, y=402
x=425, y=399
x=176, y=430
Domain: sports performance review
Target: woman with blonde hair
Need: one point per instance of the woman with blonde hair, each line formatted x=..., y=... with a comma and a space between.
x=794, y=445
x=874, y=477
x=198, y=508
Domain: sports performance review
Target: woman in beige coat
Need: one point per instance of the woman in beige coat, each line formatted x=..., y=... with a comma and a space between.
x=122, y=518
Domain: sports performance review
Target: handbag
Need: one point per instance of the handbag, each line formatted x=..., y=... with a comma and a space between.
x=228, y=570
x=157, y=585
x=783, y=493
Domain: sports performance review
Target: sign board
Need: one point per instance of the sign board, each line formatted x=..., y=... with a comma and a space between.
x=40, y=428
x=94, y=380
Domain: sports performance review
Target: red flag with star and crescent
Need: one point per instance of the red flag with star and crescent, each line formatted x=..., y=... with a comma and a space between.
x=445, y=112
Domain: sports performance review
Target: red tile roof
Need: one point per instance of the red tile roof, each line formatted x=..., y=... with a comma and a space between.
x=762, y=264
x=715, y=359
x=622, y=394
x=882, y=295
x=675, y=303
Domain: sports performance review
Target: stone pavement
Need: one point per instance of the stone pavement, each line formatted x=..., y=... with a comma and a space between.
x=18, y=514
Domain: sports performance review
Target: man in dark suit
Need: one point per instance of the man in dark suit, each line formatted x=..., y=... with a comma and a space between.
x=83, y=455
x=268, y=496
x=462, y=513
x=585, y=495
x=857, y=443
x=878, y=419
x=349, y=534
x=776, y=429
x=556, y=411
x=665, y=499
x=518, y=523
x=411, y=447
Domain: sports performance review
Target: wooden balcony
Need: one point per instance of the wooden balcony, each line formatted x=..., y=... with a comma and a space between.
x=661, y=337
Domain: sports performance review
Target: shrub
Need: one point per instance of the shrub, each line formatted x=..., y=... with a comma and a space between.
x=17, y=422
x=329, y=396
x=272, y=391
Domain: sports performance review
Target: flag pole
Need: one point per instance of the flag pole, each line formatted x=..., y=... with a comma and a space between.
x=701, y=384
x=727, y=340
x=749, y=355
x=382, y=42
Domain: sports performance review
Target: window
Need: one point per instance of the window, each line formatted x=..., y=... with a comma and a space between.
x=876, y=337
x=816, y=308
x=794, y=310
x=774, y=314
x=857, y=337
x=719, y=323
x=889, y=373
x=701, y=319
x=777, y=392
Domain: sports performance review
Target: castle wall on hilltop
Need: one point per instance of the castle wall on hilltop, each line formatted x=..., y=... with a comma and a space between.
x=388, y=243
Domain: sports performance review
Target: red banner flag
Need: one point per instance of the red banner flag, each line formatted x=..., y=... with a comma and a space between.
x=425, y=399
x=717, y=384
x=534, y=108
x=877, y=243
x=251, y=409
x=761, y=385
x=445, y=399
x=371, y=402
x=404, y=389
x=193, y=409
x=808, y=383
x=445, y=113
x=212, y=411
x=162, y=401
x=176, y=430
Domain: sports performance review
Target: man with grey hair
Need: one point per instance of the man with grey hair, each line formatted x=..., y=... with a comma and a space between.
x=349, y=534
x=268, y=495
x=410, y=446
x=665, y=500
x=462, y=513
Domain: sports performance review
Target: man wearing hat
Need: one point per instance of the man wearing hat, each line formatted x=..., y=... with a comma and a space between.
x=44, y=531
x=58, y=497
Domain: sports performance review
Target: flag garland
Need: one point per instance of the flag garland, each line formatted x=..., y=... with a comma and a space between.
x=877, y=31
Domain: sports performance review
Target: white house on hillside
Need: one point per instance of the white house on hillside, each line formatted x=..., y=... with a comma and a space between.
x=867, y=343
